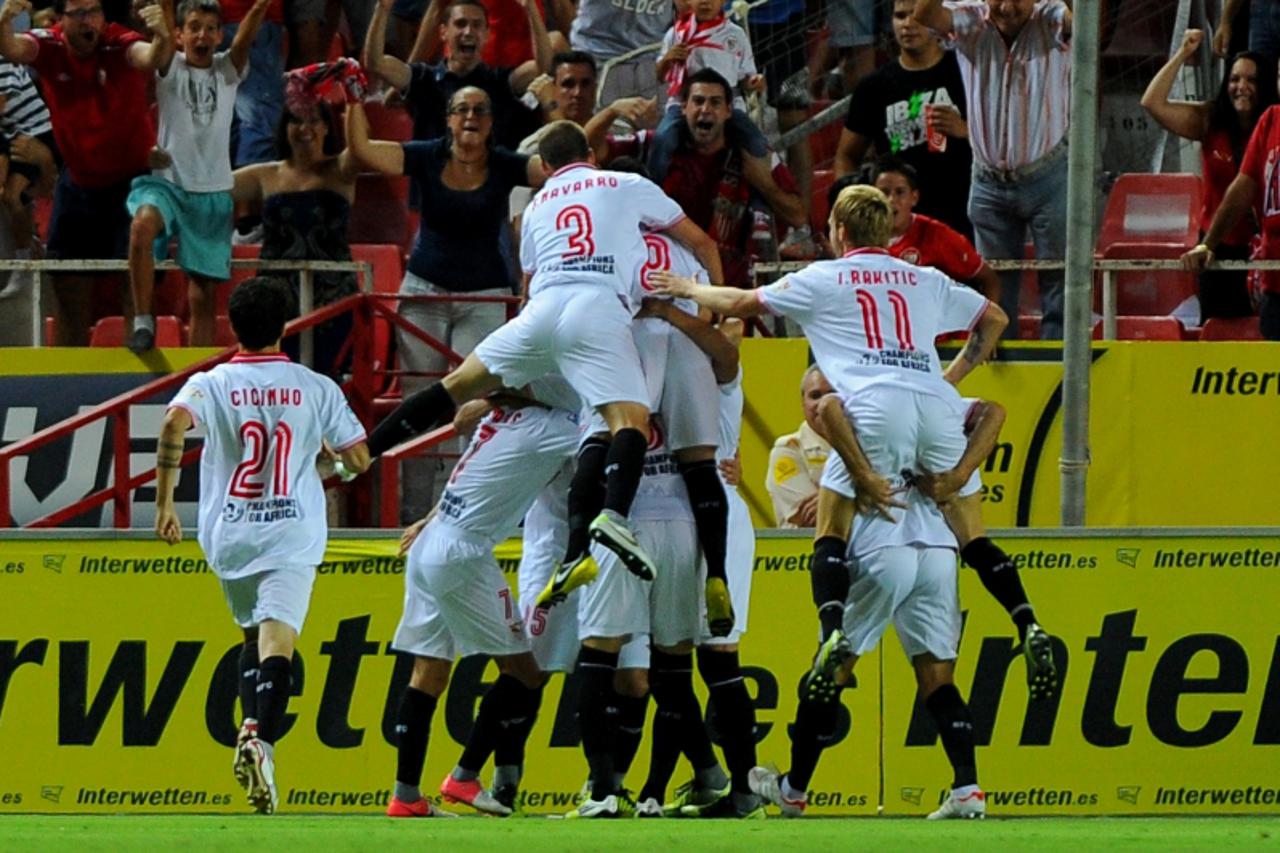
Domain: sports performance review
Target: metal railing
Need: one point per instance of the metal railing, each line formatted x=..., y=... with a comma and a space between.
x=1104, y=269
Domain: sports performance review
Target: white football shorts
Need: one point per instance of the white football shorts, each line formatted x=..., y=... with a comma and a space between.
x=553, y=633
x=619, y=604
x=913, y=588
x=582, y=331
x=456, y=601
x=279, y=594
x=682, y=385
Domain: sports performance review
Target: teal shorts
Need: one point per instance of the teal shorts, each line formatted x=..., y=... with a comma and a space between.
x=201, y=222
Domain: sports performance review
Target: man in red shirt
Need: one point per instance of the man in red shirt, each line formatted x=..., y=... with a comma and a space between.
x=714, y=182
x=928, y=242
x=94, y=77
x=1257, y=172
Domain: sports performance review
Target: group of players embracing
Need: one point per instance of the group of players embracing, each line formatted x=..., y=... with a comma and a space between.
x=606, y=416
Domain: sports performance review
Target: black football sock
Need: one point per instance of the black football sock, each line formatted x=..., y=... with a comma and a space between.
x=501, y=707
x=598, y=716
x=1000, y=576
x=413, y=729
x=735, y=713
x=623, y=468
x=829, y=577
x=664, y=753
x=247, y=682
x=508, y=754
x=811, y=733
x=586, y=495
x=418, y=413
x=955, y=727
x=273, y=696
x=710, y=512
x=671, y=680
x=631, y=713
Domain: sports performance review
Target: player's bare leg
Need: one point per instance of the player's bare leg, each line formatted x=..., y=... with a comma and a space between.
x=711, y=516
x=433, y=406
x=937, y=689
x=623, y=466
x=275, y=651
x=505, y=717
x=413, y=731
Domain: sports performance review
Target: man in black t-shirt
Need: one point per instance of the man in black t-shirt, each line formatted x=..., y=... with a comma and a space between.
x=428, y=88
x=893, y=110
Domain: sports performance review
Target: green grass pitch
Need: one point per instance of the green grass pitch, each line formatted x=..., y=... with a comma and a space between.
x=528, y=835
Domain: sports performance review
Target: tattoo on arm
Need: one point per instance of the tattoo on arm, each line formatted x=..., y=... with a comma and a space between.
x=973, y=348
x=169, y=454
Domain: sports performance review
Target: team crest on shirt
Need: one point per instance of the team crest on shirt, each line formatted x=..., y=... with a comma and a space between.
x=911, y=256
x=233, y=512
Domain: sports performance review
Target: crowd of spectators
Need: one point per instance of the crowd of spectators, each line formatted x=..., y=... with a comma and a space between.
x=959, y=111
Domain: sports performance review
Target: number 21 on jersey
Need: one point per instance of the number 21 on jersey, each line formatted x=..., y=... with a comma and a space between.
x=247, y=481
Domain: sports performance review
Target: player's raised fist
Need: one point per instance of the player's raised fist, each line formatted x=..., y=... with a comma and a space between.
x=14, y=8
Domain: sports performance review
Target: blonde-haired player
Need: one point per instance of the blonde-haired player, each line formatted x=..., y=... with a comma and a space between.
x=871, y=321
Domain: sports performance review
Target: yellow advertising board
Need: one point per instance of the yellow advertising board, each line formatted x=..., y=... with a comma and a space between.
x=1170, y=424
x=117, y=689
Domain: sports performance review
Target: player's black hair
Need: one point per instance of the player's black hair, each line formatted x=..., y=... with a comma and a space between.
x=562, y=144
x=629, y=164
x=186, y=7
x=448, y=9
x=332, y=140
x=259, y=308
x=890, y=163
x=707, y=75
x=573, y=57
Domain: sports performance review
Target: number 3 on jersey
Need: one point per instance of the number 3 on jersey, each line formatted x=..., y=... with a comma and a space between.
x=871, y=319
x=576, y=219
x=245, y=480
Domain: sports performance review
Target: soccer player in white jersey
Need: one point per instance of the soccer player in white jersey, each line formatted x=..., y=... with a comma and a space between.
x=457, y=601
x=262, y=520
x=903, y=571
x=871, y=321
x=620, y=606
x=580, y=247
x=680, y=383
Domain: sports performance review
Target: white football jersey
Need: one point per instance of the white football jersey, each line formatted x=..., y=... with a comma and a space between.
x=584, y=227
x=511, y=457
x=661, y=253
x=261, y=500
x=871, y=319
x=662, y=495
x=921, y=525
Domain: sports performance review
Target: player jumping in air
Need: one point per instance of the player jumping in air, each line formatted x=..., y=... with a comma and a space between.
x=262, y=521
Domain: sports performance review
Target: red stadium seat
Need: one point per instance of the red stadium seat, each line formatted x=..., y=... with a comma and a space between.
x=1150, y=216
x=1029, y=327
x=110, y=332
x=381, y=213
x=1234, y=329
x=1143, y=329
x=388, y=122
x=223, y=334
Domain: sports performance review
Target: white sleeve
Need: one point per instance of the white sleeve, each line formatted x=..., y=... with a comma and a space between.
x=528, y=259
x=790, y=296
x=342, y=429
x=658, y=210
x=227, y=69
x=194, y=398
x=959, y=307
